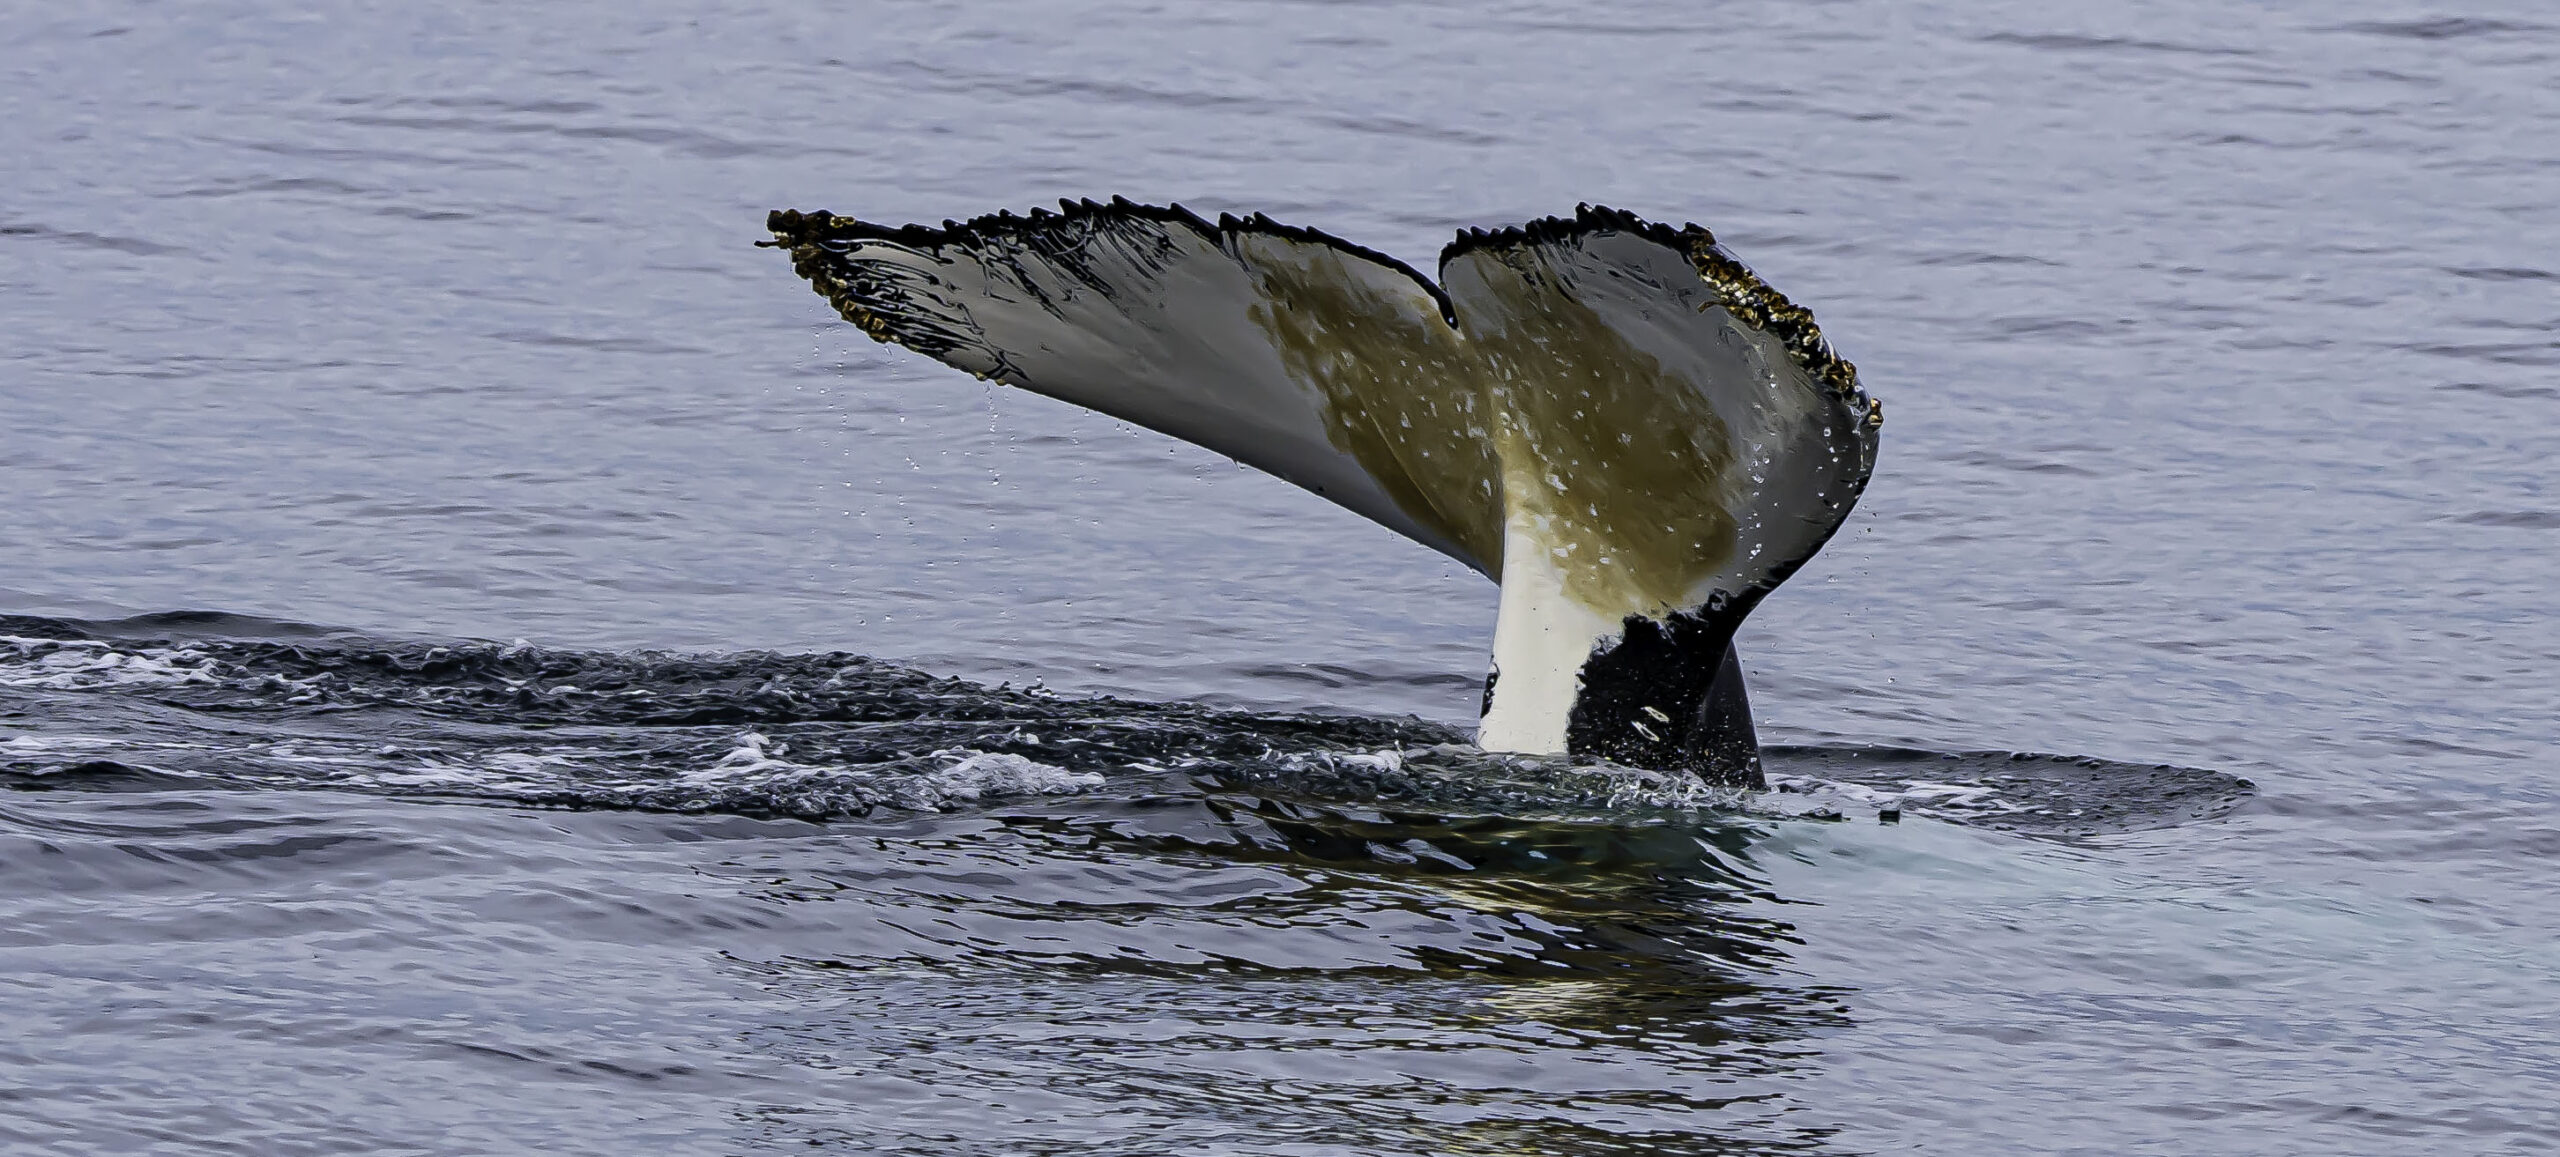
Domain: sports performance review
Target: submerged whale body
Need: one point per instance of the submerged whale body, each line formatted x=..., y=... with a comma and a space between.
x=1614, y=419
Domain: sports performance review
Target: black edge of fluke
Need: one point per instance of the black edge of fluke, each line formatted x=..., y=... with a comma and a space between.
x=1587, y=218
x=1737, y=289
x=1740, y=291
x=793, y=230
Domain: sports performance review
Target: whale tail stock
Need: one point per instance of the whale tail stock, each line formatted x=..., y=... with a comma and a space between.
x=1615, y=420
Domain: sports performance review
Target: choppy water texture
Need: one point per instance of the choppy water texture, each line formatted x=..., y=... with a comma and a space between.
x=724, y=735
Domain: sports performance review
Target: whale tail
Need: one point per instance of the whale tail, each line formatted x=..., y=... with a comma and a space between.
x=1614, y=419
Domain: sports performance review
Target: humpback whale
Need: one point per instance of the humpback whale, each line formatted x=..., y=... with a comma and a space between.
x=1614, y=419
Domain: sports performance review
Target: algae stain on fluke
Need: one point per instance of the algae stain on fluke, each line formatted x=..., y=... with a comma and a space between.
x=1616, y=420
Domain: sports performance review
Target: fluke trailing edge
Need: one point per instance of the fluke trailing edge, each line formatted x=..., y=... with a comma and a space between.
x=1617, y=421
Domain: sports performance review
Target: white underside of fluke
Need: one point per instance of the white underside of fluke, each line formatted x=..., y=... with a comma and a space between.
x=1541, y=638
x=1607, y=416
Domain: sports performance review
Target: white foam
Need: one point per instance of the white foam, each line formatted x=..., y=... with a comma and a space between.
x=971, y=776
x=1001, y=773
x=82, y=664
x=30, y=744
x=1458, y=772
x=1798, y=794
x=1384, y=759
x=753, y=756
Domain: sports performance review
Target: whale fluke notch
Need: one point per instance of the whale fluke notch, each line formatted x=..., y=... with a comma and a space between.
x=1615, y=419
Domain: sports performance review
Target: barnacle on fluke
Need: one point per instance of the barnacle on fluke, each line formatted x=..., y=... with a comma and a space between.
x=1615, y=419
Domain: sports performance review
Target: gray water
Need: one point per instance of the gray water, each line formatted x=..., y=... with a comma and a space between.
x=512, y=782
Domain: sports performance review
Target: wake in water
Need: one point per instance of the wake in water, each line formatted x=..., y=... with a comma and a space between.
x=195, y=701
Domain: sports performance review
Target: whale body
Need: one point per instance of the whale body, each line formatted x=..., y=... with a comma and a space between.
x=1614, y=419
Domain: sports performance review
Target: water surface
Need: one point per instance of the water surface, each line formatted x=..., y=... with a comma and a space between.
x=559, y=751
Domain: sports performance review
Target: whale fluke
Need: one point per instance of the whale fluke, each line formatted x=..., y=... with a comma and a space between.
x=1614, y=419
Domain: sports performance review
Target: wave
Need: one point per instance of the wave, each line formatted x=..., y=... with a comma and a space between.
x=206, y=700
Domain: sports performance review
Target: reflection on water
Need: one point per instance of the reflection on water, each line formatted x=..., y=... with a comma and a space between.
x=1267, y=976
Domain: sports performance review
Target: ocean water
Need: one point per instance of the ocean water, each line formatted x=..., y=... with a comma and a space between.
x=489, y=665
